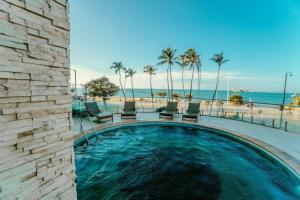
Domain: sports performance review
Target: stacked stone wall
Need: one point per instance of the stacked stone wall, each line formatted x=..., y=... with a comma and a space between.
x=36, y=138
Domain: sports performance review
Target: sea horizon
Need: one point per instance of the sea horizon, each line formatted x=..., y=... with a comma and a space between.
x=231, y=90
x=249, y=96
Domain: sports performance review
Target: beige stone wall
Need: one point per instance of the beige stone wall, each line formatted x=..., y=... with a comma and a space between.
x=36, y=144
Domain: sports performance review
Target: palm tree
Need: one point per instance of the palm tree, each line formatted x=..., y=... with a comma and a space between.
x=130, y=73
x=183, y=62
x=219, y=59
x=118, y=67
x=168, y=57
x=193, y=60
x=150, y=69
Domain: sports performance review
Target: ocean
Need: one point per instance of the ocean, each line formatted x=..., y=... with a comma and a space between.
x=256, y=97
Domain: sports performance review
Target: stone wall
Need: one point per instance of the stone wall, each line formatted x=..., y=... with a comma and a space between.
x=36, y=140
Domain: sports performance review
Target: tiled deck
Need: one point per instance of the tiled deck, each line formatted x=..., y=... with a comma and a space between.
x=284, y=145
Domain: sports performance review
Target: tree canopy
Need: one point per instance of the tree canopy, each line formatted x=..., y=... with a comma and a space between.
x=219, y=58
x=150, y=69
x=102, y=87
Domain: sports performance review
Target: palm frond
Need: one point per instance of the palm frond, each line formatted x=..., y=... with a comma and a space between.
x=117, y=66
x=224, y=61
x=167, y=56
x=193, y=57
x=219, y=58
x=130, y=72
x=150, y=69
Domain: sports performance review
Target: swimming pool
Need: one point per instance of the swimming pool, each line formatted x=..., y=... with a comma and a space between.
x=177, y=161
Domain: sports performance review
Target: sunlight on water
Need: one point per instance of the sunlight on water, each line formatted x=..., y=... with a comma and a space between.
x=176, y=162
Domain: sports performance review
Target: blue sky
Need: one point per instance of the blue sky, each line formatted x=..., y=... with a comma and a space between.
x=260, y=37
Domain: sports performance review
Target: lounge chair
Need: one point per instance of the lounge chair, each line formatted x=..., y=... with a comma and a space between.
x=192, y=112
x=129, y=110
x=170, y=110
x=78, y=109
x=94, y=111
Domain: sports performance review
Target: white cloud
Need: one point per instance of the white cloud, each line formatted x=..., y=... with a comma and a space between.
x=141, y=80
x=84, y=75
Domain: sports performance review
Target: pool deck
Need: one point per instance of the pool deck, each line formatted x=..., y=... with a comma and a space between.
x=281, y=144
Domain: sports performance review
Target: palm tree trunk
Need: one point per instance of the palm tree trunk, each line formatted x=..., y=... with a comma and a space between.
x=214, y=96
x=125, y=83
x=200, y=87
x=191, y=88
x=199, y=81
x=120, y=80
x=151, y=87
x=168, y=83
x=171, y=82
x=151, y=90
x=182, y=82
x=132, y=88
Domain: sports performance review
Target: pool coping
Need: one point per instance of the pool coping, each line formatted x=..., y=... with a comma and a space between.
x=284, y=158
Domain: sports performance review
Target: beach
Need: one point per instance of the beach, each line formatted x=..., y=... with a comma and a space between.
x=265, y=109
x=263, y=114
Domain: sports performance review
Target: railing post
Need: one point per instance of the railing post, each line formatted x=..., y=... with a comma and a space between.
x=117, y=110
x=273, y=123
x=252, y=119
x=285, y=126
x=225, y=114
x=202, y=112
x=242, y=116
x=217, y=113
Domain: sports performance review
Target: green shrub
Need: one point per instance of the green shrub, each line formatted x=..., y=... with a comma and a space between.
x=296, y=101
x=236, y=99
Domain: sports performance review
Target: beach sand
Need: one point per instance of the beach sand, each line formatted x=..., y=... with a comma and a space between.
x=258, y=110
x=268, y=115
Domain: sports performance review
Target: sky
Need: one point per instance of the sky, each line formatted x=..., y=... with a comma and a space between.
x=259, y=37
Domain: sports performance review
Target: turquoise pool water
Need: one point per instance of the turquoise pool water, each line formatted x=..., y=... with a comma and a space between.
x=173, y=161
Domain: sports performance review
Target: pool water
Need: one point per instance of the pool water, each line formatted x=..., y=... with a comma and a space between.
x=172, y=161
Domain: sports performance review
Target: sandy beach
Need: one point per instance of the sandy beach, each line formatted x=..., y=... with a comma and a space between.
x=258, y=111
